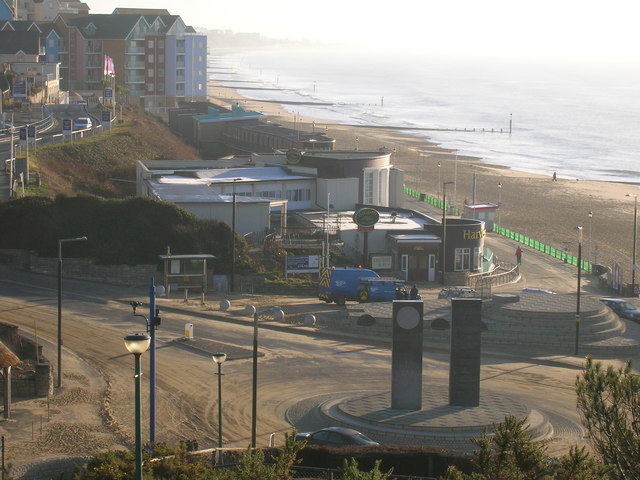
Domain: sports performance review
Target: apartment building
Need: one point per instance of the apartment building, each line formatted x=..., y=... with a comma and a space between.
x=156, y=56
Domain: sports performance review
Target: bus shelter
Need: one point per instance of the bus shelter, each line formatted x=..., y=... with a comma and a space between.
x=185, y=271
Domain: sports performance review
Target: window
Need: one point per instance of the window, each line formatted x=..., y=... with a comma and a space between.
x=270, y=194
x=160, y=44
x=477, y=258
x=150, y=72
x=150, y=58
x=51, y=42
x=462, y=258
x=150, y=43
x=150, y=87
x=299, y=195
x=161, y=58
x=368, y=194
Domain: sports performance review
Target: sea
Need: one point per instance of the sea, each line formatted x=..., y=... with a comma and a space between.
x=580, y=119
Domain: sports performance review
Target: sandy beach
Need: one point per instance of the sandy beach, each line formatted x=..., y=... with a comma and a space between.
x=533, y=205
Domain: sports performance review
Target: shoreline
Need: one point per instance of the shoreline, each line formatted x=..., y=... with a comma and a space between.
x=532, y=203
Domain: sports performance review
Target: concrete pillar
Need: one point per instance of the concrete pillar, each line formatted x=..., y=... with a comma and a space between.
x=406, y=355
x=464, y=365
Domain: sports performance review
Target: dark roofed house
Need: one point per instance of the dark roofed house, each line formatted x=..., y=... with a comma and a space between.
x=19, y=46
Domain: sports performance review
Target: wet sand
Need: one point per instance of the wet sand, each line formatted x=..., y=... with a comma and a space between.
x=533, y=205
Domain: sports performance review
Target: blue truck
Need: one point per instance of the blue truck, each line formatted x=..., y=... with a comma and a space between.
x=342, y=284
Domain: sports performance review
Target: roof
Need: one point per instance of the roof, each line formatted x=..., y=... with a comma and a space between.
x=482, y=206
x=14, y=42
x=114, y=26
x=196, y=256
x=141, y=11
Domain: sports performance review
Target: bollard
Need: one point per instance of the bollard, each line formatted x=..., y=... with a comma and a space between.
x=186, y=295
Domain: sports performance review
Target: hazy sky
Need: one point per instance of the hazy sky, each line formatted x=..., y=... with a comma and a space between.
x=556, y=28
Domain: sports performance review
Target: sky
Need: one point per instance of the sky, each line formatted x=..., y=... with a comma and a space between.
x=585, y=29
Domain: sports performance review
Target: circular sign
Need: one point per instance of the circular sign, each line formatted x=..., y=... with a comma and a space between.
x=293, y=156
x=408, y=318
x=366, y=217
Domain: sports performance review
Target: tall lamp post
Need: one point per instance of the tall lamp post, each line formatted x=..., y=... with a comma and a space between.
x=233, y=236
x=444, y=226
x=499, y=201
x=635, y=231
x=60, y=242
x=219, y=359
x=152, y=322
x=137, y=344
x=439, y=177
x=590, y=235
x=277, y=315
x=579, y=229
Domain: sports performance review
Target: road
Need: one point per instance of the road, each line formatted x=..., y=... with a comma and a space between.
x=295, y=371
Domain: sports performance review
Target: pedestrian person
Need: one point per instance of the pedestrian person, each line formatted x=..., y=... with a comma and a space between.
x=555, y=178
x=519, y=255
x=413, y=294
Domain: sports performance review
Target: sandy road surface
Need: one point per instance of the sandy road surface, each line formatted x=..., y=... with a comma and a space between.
x=94, y=409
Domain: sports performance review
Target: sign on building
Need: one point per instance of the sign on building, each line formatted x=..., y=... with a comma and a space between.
x=303, y=264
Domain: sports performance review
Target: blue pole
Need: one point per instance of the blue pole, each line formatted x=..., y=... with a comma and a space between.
x=152, y=362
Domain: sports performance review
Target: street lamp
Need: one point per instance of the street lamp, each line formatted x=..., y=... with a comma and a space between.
x=635, y=231
x=277, y=314
x=444, y=226
x=499, y=201
x=152, y=322
x=233, y=236
x=60, y=242
x=219, y=359
x=590, y=236
x=579, y=229
x=137, y=344
x=439, y=178
x=455, y=180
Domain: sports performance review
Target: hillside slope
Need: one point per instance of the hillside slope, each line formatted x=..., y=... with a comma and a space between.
x=105, y=164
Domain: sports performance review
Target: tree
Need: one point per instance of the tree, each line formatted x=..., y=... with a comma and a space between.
x=350, y=471
x=511, y=454
x=609, y=404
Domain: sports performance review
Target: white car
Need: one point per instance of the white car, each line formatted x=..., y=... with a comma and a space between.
x=82, y=123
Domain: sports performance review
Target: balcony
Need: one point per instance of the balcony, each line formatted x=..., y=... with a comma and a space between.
x=133, y=78
x=133, y=65
x=134, y=50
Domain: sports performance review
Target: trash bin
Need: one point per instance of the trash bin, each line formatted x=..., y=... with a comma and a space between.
x=188, y=331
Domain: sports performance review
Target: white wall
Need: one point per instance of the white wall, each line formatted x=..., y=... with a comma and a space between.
x=344, y=192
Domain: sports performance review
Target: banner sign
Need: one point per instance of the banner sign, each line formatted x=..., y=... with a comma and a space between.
x=303, y=264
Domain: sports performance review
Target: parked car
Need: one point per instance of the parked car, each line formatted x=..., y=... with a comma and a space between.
x=82, y=123
x=335, y=437
x=457, y=292
x=622, y=308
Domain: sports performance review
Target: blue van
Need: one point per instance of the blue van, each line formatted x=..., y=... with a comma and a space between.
x=339, y=284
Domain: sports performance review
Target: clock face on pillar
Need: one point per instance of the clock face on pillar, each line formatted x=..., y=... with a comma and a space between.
x=408, y=317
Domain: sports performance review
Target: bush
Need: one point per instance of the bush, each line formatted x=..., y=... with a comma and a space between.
x=131, y=231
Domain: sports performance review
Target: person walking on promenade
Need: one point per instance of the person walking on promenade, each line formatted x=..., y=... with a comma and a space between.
x=555, y=178
x=519, y=255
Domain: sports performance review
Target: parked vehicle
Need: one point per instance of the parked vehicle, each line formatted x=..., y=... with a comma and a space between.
x=381, y=290
x=456, y=292
x=82, y=123
x=339, y=284
x=622, y=308
x=335, y=437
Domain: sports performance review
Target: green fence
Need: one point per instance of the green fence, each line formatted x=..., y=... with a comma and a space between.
x=560, y=254
x=429, y=199
x=518, y=237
